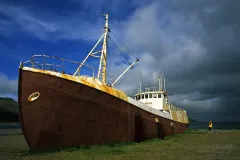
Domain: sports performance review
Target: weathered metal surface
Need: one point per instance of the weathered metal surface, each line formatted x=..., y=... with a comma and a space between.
x=179, y=116
x=69, y=113
x=92, y=82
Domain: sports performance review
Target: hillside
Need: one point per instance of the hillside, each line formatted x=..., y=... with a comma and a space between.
x=8, y=110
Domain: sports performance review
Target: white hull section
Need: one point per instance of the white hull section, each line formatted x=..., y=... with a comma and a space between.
x=173, y=115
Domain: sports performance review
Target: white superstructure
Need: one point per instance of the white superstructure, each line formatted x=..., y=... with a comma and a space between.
x=155, y=100
x=154, y=97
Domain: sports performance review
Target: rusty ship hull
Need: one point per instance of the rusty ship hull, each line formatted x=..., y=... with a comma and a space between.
x=70, y=114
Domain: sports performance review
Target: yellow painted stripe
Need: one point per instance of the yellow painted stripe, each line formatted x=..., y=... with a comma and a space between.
x=91, y=82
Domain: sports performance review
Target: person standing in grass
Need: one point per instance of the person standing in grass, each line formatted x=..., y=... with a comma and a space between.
x=210, y=126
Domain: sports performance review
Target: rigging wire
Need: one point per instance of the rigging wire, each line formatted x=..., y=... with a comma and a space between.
x=123, y=44
x=116, y=46
x=124, y=77
x=123, y=55
x=59, y=48
x=21, y=26
x=109, y=53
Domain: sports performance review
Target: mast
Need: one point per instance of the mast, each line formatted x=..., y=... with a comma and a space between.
x=159, y=83
x=103, y=58
x=162, y=82
x=140, y=87
x=104, y=52
x=164, y=85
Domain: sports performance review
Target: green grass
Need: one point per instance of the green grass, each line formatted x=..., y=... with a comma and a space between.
x=9, y=123
x=9, y=132
x=189, y=145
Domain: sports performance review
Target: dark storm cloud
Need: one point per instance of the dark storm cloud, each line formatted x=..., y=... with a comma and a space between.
x=198, y=50
x=218, y=74
x=221, y=39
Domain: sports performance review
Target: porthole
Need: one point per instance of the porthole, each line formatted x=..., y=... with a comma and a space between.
x=34, y=96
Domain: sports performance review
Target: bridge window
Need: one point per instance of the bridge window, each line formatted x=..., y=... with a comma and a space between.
x=146, y=96
x=159, y=95
x=142, y=96
x=154, y=95
x=137, y=97
x=150, y=95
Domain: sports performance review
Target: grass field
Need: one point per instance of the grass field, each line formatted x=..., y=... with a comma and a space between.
x=192, y=145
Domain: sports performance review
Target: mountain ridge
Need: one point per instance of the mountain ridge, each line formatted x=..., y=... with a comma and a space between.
x=8, y=110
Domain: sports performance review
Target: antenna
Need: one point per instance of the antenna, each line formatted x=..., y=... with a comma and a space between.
x=140, y=86
x=164, y=85
x=159, y=83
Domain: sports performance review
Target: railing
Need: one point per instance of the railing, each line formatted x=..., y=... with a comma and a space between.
x=151, y=89
x=42, y=62
x=175, y=108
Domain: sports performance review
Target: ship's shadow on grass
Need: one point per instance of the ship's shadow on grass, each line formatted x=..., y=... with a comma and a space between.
x=107, y=148
x=114, y=148
x=103, y=149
